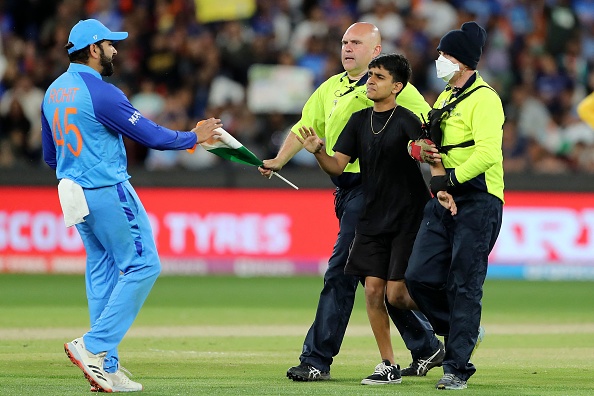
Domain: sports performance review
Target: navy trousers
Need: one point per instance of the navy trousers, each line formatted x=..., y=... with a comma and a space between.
x=337, y=298
x=447, y=269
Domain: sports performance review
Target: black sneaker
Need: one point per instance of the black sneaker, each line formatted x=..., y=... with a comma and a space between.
x=384, y=374
x=307, y=372
x=420, y=367
x=450, y=382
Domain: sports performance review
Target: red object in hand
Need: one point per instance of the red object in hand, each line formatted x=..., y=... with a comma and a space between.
x=420, y=150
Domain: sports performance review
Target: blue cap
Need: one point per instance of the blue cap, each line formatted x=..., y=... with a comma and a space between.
x=90, y=31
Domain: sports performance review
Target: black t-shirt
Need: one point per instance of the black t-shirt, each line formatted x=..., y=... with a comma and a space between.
x=395, y=191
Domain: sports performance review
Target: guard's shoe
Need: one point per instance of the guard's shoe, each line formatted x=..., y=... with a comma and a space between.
x=91, y=364
x=481, y=336
x=307, y=372
x=384, y=374
x=450, y=382
x=121, y=382
x=420, y=367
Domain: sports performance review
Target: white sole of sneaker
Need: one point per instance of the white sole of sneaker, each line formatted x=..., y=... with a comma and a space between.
x=373, y=382
x=452, y=388
x=299, y=378
x=76, y=359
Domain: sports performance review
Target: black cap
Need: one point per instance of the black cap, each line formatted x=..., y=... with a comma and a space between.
x=465, y=44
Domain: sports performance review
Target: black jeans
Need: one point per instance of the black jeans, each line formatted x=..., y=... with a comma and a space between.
x=447, y=269
x=337, y=298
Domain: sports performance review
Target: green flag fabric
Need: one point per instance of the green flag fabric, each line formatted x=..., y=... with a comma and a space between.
x=229, y=148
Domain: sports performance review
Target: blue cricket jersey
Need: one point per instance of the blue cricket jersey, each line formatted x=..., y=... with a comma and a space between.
x=83, y=119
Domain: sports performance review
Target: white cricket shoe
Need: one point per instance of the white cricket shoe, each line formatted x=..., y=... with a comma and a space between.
x=121, y=382
x=90, y=364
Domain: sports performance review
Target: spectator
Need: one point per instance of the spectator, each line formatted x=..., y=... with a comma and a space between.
x=29, y=98
x=172, y=116
x=315, y=24
x=314, y=58
x=385, y=16
x=550, y=83
x=14, y=128
x=515, y=148
x=273, y=19
x=562, y=26
x=440, y=17
x=107, y=12
x=234, y=42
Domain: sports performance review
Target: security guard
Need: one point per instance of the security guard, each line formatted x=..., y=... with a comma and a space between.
x=327, y=111
x=448, y=265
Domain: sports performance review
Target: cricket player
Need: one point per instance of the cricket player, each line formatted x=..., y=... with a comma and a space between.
x=83, y=121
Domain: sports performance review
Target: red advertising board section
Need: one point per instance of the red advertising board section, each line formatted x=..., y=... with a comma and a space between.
x=197, y=231
x=284, y=232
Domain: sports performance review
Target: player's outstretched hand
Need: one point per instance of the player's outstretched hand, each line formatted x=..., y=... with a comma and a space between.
x=205, y=129
x=447, y=201
x=310, y=140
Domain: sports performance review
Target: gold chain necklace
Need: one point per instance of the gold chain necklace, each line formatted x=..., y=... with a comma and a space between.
x=386, y=124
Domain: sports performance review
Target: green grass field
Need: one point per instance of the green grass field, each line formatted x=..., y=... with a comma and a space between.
x=237, y=336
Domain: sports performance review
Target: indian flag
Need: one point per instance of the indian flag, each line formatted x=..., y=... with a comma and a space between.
x=229, y=148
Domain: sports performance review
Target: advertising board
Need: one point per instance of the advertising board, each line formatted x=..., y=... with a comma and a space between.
x=284, y=232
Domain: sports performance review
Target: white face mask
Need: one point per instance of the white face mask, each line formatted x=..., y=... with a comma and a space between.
x=446, y=68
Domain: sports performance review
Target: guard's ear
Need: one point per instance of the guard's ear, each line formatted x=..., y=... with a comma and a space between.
x=377, y=50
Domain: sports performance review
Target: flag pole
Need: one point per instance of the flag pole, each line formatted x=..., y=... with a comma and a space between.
x=285, y=180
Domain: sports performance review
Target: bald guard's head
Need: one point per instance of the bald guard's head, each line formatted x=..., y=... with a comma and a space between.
x=360, y=44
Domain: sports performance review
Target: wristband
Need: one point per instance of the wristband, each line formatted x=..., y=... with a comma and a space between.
x=439, y=183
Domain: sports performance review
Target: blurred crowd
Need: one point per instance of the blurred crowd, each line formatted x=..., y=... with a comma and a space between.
x=177, y=70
